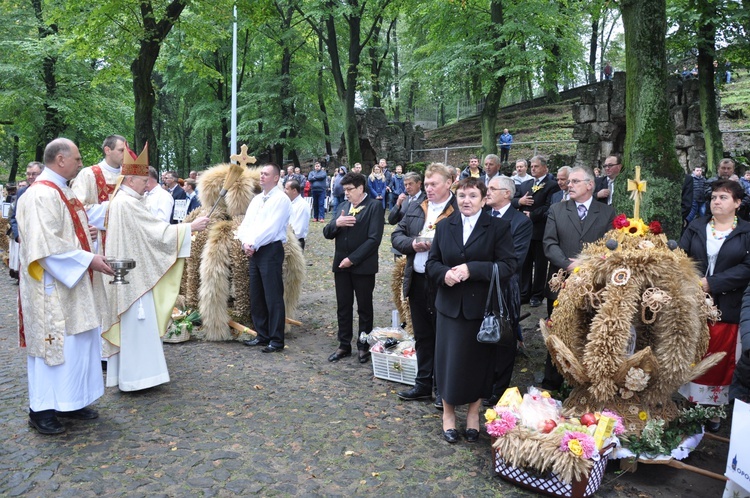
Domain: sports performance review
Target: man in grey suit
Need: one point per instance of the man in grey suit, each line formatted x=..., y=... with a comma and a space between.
x=412, y=194
x=570, y=224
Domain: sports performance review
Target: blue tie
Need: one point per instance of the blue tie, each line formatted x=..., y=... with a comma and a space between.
x=495, y=213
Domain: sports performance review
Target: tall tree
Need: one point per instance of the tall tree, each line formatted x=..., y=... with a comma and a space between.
x=346, y=74
x=649, y=139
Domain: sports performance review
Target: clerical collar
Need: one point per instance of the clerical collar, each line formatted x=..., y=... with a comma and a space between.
x=48, y=174
x=131, y=192
x=105, y=165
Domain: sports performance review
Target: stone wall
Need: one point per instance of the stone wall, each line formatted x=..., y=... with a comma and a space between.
x=600, y=122
x=379, y=137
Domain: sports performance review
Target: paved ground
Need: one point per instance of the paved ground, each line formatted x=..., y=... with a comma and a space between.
x=234, y=421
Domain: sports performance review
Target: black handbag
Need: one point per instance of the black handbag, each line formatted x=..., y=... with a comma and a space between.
x=496, y=325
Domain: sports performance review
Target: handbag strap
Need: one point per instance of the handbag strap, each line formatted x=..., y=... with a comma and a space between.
x=496, y=273
x=494, y=278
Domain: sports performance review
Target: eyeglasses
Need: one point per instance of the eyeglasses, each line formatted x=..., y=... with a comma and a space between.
x=349, y=188
x=496, y=189
x=576, y=182
x=610, y=165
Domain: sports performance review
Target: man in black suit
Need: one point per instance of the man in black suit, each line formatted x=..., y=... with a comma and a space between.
x=170, y=181
x=605, y=185
x=422, y=218
x=500, y=192
x=192, y=195
x=533, y=198
x=357, y=228
x=570, y=224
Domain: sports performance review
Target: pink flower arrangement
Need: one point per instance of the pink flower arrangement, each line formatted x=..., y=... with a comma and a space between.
x=619, y=426
x=504, y=423
x=579, y=444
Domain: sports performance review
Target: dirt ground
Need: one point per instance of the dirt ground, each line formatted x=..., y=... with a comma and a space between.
x=647, y=481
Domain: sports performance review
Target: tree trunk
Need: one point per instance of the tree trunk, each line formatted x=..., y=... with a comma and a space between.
x=492, y=99
x=593, y=43
x=707, y=84
x=53, y=122
x=396, y=87
x=209, y=148
x=649, y=140
x=322, y=100
x=285, y=91
x=142, y=68
x=13, y=160
x=410, y=99
x=375, y=66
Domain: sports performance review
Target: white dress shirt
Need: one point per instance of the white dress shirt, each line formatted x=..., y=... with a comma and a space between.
x=469, y=224
x=300, y=217
x=433, y=211
x=266, y=219
x=160, y=203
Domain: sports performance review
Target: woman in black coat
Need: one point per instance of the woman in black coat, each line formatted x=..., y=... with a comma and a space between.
x=465, y=247
x=720, y=245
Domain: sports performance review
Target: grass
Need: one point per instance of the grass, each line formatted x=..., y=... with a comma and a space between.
x=555, y=122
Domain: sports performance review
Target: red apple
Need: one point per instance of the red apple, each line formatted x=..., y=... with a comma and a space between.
x=588, y=419
x=548, y=426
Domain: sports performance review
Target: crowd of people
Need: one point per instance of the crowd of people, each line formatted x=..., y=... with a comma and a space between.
x=452, y=226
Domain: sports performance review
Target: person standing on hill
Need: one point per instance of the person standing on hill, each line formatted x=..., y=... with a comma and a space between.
x=505, y=141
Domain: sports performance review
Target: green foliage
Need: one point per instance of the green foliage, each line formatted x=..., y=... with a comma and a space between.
x=659, y=438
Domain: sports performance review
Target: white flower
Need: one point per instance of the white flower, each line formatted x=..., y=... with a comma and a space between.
x=636, y=379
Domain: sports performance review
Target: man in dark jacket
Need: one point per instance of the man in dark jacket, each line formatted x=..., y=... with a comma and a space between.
x=177, y=192
x=318, y=184
x=421, y=219
x=740, y=387
x=357, y=227
x=533, y=198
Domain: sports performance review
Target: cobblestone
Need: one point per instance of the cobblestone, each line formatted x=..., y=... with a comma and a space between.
x=234, y=421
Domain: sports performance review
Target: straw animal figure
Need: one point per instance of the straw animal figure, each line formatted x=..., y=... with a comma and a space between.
x=217, y=280
x=630, y=327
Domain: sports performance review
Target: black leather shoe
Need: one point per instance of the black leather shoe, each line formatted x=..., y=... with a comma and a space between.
x=255, y=342
x=414, y=393
x=451, y=435
x=472, y=435
x=535, y=303
x=82, y=414
x=338, y=354
x=47, y=425
x=272, y=349
x=438, y=404
x=491, y=401
x=364, y=356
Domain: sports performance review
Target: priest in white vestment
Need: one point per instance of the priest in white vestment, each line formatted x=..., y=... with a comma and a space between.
x=94, y=185
x=139, y=312
x=61, y=295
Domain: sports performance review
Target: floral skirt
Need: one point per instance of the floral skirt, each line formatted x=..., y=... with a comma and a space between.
x=712, y=388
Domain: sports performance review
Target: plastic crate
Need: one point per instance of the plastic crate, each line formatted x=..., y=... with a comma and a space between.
x=548, y=484
x=394, y=367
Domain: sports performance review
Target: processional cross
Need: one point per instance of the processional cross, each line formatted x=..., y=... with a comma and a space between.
x=637, y=187
x=242, y=158
x=49, y=339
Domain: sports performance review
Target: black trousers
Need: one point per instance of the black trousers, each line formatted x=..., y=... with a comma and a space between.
x=302, y=243
x=423, y=320
x=504, y=154
x=506, y=360
x=349, y=285
x=535, y=264
x=267, y=293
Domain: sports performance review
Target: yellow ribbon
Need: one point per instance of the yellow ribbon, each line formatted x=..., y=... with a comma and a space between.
x=636, y=187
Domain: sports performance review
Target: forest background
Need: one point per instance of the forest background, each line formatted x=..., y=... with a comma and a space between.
x=160, y=70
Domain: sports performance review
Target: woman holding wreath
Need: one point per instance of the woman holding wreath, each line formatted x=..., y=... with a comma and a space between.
x=719, y=245
x=463, y=252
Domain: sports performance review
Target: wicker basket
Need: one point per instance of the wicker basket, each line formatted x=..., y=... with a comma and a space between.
x=547, y=483
x=174, y=338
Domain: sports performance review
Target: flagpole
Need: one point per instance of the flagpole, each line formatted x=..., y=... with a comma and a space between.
x=233, y=137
